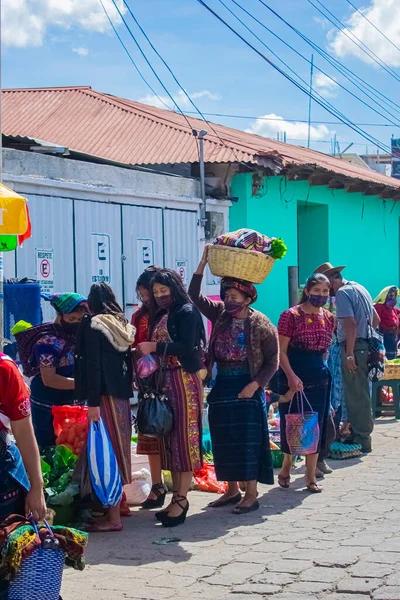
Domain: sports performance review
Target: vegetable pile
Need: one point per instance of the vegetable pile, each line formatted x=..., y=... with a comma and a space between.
x=71, y=427
x=58, y=464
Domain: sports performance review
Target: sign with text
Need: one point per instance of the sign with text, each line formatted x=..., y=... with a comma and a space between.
x=145, y=253
x=45, y=270
x=101, y=251
x=181, y=267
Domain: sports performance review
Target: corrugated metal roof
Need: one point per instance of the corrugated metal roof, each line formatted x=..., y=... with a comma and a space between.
x=132, y=133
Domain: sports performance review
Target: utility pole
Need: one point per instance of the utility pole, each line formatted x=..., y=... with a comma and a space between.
x=200, y=135
x=310, y=100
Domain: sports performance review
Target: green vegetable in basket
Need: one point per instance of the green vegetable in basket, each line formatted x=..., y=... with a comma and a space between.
x=278, y=249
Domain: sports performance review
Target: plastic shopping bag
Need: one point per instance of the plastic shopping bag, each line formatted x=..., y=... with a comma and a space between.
x=146, y=366
x=70, y=426
x=206, y=480
x=103, y=467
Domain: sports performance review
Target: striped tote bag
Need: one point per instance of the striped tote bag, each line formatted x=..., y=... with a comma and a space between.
x=103, y=467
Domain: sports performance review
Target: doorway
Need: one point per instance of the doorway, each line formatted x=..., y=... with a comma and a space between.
x=312, y=237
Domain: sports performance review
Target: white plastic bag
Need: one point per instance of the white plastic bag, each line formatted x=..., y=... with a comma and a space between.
x=138, y=491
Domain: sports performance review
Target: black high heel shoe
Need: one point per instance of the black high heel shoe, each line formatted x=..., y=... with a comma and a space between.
x=161, y=514
x=168, y=521
x=161, y=493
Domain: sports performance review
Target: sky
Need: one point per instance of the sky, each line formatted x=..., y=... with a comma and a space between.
x=48, y=43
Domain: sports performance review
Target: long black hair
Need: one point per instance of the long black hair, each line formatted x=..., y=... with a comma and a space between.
x=102, y=301
x=315, y=279
x=146, y=277
x=172, y=280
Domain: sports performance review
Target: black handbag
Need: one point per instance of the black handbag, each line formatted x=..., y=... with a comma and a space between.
x=154, y=415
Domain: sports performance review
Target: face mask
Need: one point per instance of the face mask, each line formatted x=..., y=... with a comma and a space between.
x=317, y=300
x=233, y=308
x=391, y=301
x=165, y=302
x=146, y=303
x=71, y=328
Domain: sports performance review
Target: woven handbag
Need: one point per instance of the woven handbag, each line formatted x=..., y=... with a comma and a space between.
x=40, y=575
x=302, y=428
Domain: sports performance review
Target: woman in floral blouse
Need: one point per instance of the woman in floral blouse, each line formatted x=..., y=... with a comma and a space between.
x=305, y=334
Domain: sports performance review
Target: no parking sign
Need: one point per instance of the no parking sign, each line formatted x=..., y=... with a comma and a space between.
x=45, y=270
x=181, y=268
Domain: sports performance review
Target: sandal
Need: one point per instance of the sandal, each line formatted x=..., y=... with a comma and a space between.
x=160, y=492
x=284, y=482
x=232, y=500
x=161, y=514
x=168, y=521
x=314, y=488
x=242, y=510
x=98, y=528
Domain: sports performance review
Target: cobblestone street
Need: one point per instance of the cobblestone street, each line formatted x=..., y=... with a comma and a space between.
x=343, y=544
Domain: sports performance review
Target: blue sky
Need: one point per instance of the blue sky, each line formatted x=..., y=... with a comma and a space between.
x=68, y=42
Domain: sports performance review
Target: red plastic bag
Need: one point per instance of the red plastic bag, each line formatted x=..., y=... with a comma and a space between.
x=71, y=426
x=206, y=480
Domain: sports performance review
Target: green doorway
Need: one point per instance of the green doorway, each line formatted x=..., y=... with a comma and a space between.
x=312, y=237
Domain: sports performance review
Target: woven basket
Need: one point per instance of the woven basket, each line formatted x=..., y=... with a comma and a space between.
x=225, y=261
x=392, y=371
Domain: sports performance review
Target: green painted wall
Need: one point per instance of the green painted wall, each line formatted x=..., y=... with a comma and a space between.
x=359, y=231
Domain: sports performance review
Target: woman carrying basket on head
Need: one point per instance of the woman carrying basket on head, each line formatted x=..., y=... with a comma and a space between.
x=244, y=346
x=305, y=334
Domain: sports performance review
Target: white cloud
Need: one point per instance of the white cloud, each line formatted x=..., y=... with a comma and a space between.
x=322, y=22
x=180, y=98
x=385, y=15
x=270, y=125
x=25, y=22
x=325, y=85
x=81, y=51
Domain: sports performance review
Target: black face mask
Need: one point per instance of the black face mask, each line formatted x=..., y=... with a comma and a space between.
x=70, y=328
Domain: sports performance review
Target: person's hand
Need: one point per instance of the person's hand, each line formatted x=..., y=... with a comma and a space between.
x=94, y=414
x=204, y=258
x=351, y=364
x=35, y=504
x=295, y=383
x=249, y=391
x=146, y=348
x=288, y=397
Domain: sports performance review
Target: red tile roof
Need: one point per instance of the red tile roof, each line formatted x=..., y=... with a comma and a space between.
x=128, y=132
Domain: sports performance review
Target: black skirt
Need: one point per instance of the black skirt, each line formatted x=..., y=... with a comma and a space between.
x=312, y=370
x=239, y=432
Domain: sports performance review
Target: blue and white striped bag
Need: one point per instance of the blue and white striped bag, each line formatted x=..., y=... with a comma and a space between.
x=103, y=467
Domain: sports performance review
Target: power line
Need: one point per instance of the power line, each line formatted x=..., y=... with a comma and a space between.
x=130, y=57
x=343, y=29
x=308, y=62
x=254, y=117
x=373, y=25
x=150, y=65
x=345, y=71
x=182, y=88
x=332, y=110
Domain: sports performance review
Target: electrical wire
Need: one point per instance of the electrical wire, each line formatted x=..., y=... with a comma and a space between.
x=332, y=111
x=182, y=88
x=345, y=71
x=308, y=62
x=253, y=117
x=343, y=29
x=131, y=58
x=373, y=25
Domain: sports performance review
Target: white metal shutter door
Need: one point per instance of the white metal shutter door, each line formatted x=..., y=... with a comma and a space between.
x=98, y=246
x=181, y=242
x=143, y=246
x=52, y=230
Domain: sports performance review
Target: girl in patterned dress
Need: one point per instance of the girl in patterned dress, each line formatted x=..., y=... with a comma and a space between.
x=305, y=335
x=177, y=334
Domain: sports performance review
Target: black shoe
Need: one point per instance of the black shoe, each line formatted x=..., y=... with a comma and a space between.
x=219, y=503
x=161, y=493
x=168, y=521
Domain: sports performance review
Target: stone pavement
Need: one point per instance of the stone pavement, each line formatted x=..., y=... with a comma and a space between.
x=343, y=544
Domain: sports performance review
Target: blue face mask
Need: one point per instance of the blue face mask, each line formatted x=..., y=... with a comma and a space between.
x=317, y=300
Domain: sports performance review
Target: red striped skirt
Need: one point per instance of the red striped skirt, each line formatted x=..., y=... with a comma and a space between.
x=181, y=450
